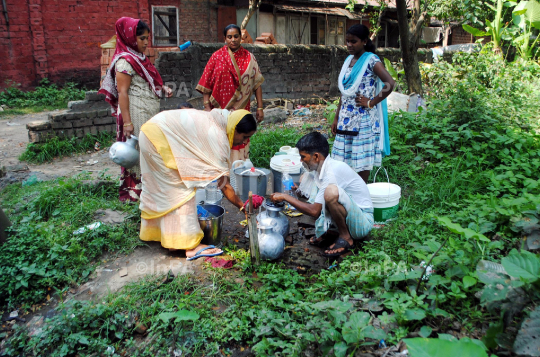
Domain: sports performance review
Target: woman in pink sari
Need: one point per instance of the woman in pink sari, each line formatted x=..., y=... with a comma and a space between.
x=133, y=88
x=230, y=78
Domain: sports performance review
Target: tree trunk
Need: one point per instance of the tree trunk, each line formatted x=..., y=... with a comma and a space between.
x=409, y=45
x=253, y=6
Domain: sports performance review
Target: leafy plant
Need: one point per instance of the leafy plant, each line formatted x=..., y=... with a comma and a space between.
x=46, y=95
x=494, y=28
x=424, y=347
x=526, y=17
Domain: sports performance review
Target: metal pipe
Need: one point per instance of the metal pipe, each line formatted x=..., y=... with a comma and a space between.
x=5, y=12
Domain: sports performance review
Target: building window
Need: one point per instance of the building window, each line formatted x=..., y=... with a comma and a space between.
x=165, y=26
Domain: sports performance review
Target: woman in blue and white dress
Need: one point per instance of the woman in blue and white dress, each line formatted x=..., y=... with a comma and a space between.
x=361, y=124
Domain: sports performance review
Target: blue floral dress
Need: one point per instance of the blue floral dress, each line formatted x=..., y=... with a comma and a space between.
x=361, y=152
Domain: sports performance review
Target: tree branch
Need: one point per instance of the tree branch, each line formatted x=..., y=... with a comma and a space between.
x=418, y=28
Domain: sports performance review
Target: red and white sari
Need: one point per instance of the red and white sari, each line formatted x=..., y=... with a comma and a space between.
x=127, y=49
x=231, y=78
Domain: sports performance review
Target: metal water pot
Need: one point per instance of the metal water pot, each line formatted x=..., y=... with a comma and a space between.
x=273, y=217
x=271, y=244
x=252, y=179
x=125, y=154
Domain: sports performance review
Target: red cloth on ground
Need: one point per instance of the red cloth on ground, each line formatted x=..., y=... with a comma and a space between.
x=257, y=201
x=219, y=262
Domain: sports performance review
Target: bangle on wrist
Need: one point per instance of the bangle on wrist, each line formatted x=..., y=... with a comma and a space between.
x=206, y=102
x=128, y=124
x=368, y=104
x=260, y=108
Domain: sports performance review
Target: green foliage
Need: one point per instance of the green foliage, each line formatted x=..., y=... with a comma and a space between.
x=268, y=141
x=42, y=255
x=55, y=147
x=526, y=18
x=471, y=11
x=46, y=95
x=494, y=28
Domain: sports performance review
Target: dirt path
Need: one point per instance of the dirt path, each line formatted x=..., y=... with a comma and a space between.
x=13, y=142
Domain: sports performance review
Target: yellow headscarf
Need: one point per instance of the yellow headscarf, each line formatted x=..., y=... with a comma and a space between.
x=232, y=121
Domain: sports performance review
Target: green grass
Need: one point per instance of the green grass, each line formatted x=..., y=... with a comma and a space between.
x=42, y=255
x=55, y=147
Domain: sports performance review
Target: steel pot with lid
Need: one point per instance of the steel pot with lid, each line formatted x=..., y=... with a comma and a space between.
x=252, y=179
x=273, y=217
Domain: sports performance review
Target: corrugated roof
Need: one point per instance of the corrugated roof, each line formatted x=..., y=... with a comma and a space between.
x=391, y=3
x=332, y=11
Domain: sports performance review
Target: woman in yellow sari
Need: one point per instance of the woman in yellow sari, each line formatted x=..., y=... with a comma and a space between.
x=182, y=151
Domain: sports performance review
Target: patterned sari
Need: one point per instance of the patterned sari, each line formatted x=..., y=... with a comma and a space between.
x=144, y=93
x=181, y=151
x=231, y=78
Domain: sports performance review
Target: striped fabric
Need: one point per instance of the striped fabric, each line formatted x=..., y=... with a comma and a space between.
x=360, y=152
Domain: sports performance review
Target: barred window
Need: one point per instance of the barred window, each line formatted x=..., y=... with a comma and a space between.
x=165, y=26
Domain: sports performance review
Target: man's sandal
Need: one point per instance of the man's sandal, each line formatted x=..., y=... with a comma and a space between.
x=339, y=243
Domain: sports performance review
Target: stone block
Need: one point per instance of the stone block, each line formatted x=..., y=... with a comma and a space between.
x=92, y=114
x=40, y=136
x=86, y=130
x=76, y=102
x=104, y=120
x=93, y=96
x=82, y=123
x=104, y=112
x=39, y=125
x=275, y=115
x=281, y=89
x=57, y=117
x=79, y=133
x=93, y=130
x=61, y=125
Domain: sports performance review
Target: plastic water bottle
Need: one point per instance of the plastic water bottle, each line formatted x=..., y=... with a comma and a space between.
x=185, y=45
x=212, y=192
x=485, y=265
x=287, y=185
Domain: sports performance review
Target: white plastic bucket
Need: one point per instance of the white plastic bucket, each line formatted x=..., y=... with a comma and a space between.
x=289, y=150
x=385, y=197
x=285, y=163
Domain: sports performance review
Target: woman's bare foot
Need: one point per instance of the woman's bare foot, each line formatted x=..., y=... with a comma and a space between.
x=191, y=253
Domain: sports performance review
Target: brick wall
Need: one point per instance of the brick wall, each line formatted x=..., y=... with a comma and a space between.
x=59, y=39
x=459, y=36
x=290, y=71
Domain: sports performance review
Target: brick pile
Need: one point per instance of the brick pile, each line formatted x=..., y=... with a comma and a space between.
x=73, y=124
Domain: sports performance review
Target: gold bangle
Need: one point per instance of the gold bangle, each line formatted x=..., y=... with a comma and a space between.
x=207, y=102
x=369, y=106
x=260, y=108
x=128, y=124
